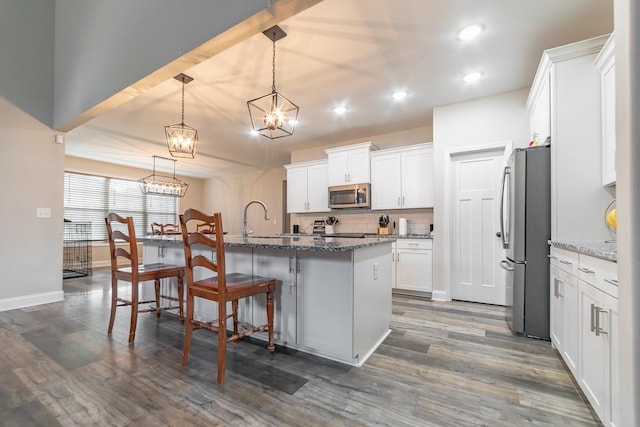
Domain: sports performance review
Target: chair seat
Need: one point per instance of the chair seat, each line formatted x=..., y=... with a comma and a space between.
x=238, y=285
x=154, y=267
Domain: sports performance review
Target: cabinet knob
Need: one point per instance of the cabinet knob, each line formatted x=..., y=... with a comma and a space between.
x=498, y=234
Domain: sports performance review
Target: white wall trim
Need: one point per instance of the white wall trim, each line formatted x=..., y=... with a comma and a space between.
x=31, y=300
x=439, y=296
x=445, y=239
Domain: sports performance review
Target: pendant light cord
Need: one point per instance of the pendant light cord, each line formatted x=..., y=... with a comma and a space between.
x=182, y=118
x=273, y=83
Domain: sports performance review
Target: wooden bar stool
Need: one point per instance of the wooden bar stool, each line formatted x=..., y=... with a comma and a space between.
x=220, y=288
x=137, y=273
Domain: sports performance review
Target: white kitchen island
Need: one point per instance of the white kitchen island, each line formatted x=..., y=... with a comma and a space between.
x=333, y=297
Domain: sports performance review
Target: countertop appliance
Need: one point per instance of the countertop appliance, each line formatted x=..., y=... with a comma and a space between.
x=525, y=228
x=350, y=196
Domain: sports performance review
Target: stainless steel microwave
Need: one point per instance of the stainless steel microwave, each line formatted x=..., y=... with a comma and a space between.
x=350, y=196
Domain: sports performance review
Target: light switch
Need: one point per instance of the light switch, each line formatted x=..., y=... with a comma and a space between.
x=43, y=212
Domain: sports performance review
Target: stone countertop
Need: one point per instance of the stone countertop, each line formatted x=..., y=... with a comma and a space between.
x=305, y=243
x=368, y=236
x=604, y=250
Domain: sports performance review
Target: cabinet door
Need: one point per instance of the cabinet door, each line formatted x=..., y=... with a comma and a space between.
x=386, y=182
x=338, y=168
x=413, y=269
x=325, y=302
x=609, y=125
x=317, y=188
x=417, y=179
x=611, y=328
x=556, y=300
x=279, y=265
x=571, y=315
x=297, y=190
x=593, y=349
x=540, y=118
x=359, y=166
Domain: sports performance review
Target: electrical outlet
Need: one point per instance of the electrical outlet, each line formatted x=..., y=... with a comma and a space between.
x=43, y=212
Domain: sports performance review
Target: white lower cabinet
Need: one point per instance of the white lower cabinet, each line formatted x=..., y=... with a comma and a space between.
x=413, y=265
x=584, y=326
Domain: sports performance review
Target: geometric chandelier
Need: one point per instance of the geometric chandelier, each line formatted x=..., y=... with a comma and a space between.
x=273, y=115
x=182, y=140
x=163, y=185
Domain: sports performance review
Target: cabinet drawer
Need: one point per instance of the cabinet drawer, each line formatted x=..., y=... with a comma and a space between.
x=565, y=260
x=599, y=273
x=414, y=244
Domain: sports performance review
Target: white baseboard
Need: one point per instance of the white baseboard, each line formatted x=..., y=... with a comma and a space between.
x=31, y=300
x=97, y=264
x=439, y=296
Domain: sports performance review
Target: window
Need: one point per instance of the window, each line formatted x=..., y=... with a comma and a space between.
x=89, y=198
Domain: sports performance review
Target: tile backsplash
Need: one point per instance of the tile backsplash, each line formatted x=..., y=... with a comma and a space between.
x=357, y=221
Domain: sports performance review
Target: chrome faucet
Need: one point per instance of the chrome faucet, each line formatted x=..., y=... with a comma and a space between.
x=245, y=224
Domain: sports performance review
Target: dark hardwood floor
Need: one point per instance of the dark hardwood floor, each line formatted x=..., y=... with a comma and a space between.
x=444, y=364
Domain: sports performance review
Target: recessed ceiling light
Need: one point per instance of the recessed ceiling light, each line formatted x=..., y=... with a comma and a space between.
x=470, y=32
x=472, y=77
x=399, y=95
x=340, y=110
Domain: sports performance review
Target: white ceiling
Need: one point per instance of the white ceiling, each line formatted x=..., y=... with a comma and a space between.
x=355, y=52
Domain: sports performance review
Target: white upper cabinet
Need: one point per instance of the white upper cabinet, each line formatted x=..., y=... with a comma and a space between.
x=565, y=99
x=606, y=63
x=402, y=178
x=307, y=187
x=350, y=164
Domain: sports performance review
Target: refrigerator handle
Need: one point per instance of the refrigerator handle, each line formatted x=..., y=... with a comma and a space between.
x=505, y=265
x=505, y=175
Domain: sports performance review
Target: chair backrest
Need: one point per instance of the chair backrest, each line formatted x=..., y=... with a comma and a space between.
x=170, y=229
x=125, y=233
x=156, y=228
x=205, y=228
x=213, y=241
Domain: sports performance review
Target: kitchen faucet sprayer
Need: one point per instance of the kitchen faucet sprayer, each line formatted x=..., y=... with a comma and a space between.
x=245, y=225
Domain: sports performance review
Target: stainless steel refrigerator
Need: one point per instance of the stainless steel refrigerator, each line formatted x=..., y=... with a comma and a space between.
x=525, y=219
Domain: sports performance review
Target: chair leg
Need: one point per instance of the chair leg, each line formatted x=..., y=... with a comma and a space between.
x=234, y=306
x=156, y=284
x=134, y=311
x=270, y=347
x=222, y=341
x=114, y=302
x=181, y=299
x=189, y=328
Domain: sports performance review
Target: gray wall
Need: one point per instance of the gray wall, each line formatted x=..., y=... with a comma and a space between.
x=104, y=46
x=26, y=49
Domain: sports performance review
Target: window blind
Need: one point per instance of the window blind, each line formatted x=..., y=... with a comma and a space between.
x=89, y=198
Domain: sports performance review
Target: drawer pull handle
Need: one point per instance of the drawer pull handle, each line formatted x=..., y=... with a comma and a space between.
x=593, y=326
x=565, y=262
x=549, y=256
x=599, y=330
x=612, y=281
x=586, y=270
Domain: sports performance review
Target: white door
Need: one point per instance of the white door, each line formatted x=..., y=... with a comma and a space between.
x=476, y=249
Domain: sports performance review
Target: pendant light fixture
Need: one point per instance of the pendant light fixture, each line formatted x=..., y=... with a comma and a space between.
x=182, y=140
x=163, y=185
x=273, y=115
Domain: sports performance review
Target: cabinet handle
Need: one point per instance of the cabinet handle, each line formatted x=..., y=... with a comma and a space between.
x=556, y=287
x=398, y=259
x=403, y=201
x=593, y=326
x=349, y=177
x=552, y=257
x=345, y=178
x=612, y=281
x=599, y=330
x=586, y=270
x=565, y=262
x=399, y=204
